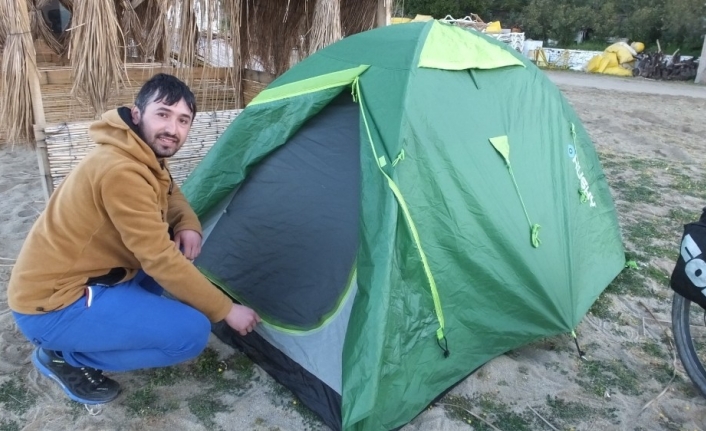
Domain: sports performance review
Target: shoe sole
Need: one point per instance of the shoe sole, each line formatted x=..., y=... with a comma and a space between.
x=47, y=372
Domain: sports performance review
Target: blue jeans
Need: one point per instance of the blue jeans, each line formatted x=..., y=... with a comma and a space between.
x=125, y=327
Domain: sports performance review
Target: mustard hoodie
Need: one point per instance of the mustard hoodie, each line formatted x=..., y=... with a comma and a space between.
x=108, y=219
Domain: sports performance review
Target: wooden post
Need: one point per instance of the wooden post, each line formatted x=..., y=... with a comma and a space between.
x=384, y=13
x=701, y=72
x=35, y=95
x=43, y=161
x=40, y=122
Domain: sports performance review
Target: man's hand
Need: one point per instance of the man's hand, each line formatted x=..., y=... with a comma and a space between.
x=190, y=240
x=242, y=319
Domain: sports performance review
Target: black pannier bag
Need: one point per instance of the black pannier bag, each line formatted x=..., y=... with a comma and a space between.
x=689, y=275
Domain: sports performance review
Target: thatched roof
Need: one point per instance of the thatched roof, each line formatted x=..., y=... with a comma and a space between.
x=104, y=36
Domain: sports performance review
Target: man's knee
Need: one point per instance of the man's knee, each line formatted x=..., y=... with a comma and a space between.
x=194, y=338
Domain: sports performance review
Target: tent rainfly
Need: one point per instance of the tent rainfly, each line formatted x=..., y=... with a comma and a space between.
x=401, y=207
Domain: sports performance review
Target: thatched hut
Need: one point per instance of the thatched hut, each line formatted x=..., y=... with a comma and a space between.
x=69, y=60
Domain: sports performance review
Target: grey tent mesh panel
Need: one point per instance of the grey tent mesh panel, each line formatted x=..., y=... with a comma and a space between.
x=286, y=243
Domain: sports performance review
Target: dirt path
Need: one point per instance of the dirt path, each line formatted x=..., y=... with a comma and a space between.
x=630, y=85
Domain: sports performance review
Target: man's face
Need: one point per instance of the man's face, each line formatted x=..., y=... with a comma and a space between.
x=163, y=127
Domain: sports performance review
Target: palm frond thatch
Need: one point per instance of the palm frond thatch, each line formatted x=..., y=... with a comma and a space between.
x=358, y=16
x=233, y=12
x=273, y=31
x=153, y=21
x=95, y=57
x=16, y=115
x=131, y=28
x=326, y=25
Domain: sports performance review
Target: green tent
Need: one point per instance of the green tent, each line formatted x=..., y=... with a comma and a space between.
x=400, y=208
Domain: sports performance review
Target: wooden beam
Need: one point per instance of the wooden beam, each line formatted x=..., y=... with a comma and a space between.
x=63, y=75
x=701, y=71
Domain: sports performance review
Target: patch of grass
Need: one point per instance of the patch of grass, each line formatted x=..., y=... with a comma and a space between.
x=602, y=307
x=688, y=185
x=653, y=349
x=570, y=412
x=629, y=281
x=457, y=408
x=661, y=277
x=167, y=376
x=670, y=253
x=635, y=192
x=663, y=372
x=16, y=398
x=610, y=163
x=680, y=216
x=6, y=425
x=598, y=376
x=144, y=402
x=643, y=165
x=644, y=232
x=490, y=409
x=587, y=45
x=208, y=366
x=242, y=366
x=205, y=409
x=231, y=375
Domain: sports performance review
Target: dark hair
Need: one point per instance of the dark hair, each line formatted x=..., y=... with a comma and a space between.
x=167, y=89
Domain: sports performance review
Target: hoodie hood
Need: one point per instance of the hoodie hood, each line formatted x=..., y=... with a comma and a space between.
x=113, y=129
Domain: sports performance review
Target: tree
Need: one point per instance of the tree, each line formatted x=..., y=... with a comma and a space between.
x=440, y=8
x=684, y=23
x=563, y=19
x=537, y=18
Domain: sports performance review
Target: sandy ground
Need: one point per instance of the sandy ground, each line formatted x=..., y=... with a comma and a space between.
x=644, y=131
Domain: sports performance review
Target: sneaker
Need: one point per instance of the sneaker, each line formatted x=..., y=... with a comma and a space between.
x=84, y=385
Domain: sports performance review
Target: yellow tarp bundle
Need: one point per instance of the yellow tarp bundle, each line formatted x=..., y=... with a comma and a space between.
x=624, y=52
x=494, y=27
x=615, y=60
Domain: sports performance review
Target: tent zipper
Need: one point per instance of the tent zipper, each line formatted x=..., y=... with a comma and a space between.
x=440, y=335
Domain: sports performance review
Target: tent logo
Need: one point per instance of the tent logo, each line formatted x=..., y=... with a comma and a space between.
x=585, y=190
x=572, y=151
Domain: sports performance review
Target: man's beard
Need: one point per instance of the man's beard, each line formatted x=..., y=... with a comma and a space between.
x=152, y=142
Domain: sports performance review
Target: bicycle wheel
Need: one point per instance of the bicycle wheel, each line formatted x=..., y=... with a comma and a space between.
x=689, y=329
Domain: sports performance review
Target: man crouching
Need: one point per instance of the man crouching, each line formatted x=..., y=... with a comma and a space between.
x=87, y=286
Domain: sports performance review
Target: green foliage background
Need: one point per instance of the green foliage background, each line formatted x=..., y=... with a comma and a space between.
x=675, y=23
